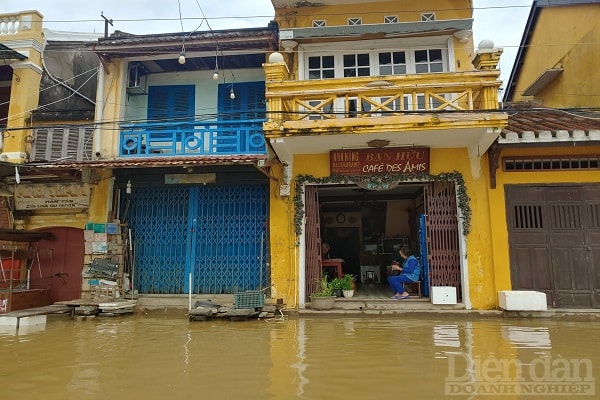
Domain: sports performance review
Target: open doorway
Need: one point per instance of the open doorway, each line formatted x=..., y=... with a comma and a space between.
x=366, y=228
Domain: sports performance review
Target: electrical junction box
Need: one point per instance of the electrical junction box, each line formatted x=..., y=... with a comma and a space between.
x=14, y=157
x=443, y=295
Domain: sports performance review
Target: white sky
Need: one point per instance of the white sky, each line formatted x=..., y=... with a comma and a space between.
x=502, y=21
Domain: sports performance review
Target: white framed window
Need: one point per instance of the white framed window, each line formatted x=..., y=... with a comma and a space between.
x=392, y=63
x=355, y=21
x=356, y=65
x=319, y=23
x=428, y=60
x=428, y=17
x=390, y=19
x=369, y=58
x=321, y=67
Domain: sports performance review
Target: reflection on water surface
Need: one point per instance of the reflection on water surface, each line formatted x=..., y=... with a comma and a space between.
x=150, y=357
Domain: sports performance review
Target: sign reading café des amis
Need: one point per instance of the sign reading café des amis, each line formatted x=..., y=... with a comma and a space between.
x=399, y=160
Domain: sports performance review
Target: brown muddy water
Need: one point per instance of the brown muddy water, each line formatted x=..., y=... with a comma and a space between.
x=167, y=357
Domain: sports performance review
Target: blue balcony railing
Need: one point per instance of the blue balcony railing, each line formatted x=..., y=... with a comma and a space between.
x=198, y=138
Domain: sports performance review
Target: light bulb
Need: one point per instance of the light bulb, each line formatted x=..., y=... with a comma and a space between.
x=232, y=94
x=216, y=75
x=128, y=188
x=182, y=58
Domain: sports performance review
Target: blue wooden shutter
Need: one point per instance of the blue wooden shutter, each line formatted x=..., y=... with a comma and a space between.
x=249, y=102
x=171, y=103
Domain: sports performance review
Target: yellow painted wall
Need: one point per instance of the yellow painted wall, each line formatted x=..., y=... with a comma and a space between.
x=25, y=85
x=285, y=251
x=113, y=107
x=497, y=198
x=567, y=37
x=372, y=12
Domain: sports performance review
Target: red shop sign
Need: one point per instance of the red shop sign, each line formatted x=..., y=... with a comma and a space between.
x=399, y=160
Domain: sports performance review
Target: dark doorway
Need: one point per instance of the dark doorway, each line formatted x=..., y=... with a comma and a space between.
x=345, y=244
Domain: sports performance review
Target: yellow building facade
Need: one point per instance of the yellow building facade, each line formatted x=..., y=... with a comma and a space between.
x=356, y=84
x=545, y=170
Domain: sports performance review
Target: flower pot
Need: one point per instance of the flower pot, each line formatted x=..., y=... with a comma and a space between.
x=348, y=293
x=337, y=292
x=322, y=302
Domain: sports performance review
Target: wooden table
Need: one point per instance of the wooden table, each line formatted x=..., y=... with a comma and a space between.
x=337, y=263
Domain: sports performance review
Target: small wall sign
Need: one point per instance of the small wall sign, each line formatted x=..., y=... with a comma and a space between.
x=398, y=160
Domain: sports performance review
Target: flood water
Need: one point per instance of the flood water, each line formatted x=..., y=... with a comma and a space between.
x=401, y=357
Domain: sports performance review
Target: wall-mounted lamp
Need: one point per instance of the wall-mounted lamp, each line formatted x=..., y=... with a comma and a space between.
x=128, y=187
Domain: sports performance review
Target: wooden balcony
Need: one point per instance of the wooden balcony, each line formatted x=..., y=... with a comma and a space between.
x=385, y=103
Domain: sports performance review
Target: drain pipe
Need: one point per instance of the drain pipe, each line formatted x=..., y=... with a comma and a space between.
x=98, y=114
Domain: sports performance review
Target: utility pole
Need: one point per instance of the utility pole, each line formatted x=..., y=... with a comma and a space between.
x=106, y=22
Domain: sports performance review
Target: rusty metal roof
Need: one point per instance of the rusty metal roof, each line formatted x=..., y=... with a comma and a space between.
x=550, y=126
x=150, y=162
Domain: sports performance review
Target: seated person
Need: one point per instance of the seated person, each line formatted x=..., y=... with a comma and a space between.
x=410, y=271
x=325, y=255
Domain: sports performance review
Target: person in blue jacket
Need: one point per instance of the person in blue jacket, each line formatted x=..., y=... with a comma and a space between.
x=410, y=271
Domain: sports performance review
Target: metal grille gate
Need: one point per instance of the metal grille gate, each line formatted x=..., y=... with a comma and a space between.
x=442, y=235
x=217, y=233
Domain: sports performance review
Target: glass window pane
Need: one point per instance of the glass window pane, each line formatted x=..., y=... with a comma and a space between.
x=349, y=60
x=399, y=57
x=328, y=62
x=314, y=75
x=385, y=70
x=385, y=58
x=437, y=67
x=314, y=62
x=364, y=72
x=435, y=55
x=349, y=73
x=421, y=68
x=328, y=74
x=400, y=70
x=363, y=59
x=421, y=56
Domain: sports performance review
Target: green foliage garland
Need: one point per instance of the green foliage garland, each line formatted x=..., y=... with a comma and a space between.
x=461, y=190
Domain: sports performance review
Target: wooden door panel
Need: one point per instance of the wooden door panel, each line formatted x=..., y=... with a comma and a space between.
x=566, y=220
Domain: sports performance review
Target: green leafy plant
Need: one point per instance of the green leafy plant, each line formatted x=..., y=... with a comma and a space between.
x=347, y=282
x=326, y=288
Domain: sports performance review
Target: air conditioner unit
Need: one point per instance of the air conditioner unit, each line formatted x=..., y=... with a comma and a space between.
x=137, y=81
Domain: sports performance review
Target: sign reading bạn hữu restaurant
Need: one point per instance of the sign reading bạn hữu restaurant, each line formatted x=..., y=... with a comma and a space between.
x=52, y=196
x=399, y=160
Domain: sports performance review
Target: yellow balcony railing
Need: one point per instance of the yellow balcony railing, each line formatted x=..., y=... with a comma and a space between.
x=385, y=96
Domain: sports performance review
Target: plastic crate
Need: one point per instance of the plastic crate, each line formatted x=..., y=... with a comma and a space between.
x=250, y=299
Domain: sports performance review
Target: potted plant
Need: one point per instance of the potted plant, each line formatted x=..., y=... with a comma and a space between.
x=337, y=284
x=324, y=298
x=347, y=283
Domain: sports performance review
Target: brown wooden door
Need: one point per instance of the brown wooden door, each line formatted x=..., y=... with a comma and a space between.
x=554, y=234
x=443, y=253
x=61, y=264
